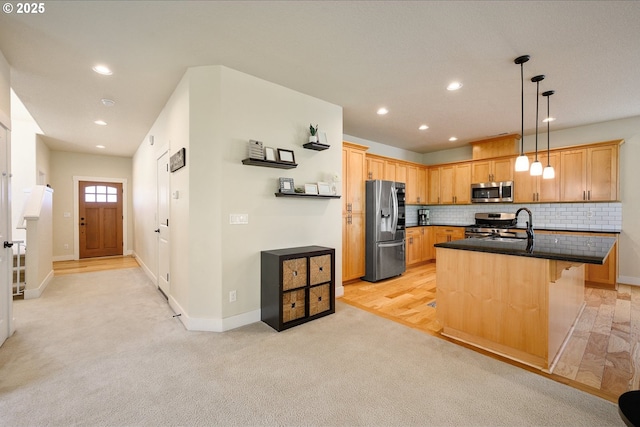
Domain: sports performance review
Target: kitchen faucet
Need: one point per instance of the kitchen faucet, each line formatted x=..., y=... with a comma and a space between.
x=529, y=223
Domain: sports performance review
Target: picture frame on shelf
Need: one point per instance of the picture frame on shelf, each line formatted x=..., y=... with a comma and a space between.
x=324, y=189
x=322, y=138
x=286, y=156
x=270, y=154
x=286, y=185
x=310, y=189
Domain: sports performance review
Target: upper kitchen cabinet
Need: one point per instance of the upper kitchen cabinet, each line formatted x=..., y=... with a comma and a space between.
x=494, y=170
x=590, y=174
x=455, y=184
x=416, y=185
x=375, y=167
x=529, y=188
x=499, y=146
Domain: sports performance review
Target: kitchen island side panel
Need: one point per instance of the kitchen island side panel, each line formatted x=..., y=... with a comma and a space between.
x=502, y=303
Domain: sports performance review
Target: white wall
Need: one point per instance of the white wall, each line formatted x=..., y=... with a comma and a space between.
x=386, y=150
x=23, y=160
x=66, y=165
x=210, y=257
x=5, y=90
x=43, y=162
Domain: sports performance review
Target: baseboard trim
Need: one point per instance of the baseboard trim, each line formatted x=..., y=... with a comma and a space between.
x=63, y=258
x=35, y=293
x=146, y=269
x=629, y=280
x=339, y=291
x=213, y=325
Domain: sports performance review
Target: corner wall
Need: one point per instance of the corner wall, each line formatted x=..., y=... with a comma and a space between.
x=214, y=112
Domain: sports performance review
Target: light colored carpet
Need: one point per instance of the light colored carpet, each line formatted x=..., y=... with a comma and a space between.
x=103, y=349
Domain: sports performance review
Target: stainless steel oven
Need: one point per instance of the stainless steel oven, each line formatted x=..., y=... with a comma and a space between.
x=492, y=224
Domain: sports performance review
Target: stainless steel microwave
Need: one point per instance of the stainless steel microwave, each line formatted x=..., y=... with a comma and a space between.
x=492, y=192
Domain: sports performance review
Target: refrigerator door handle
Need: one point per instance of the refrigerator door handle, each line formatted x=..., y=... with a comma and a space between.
x=394, y=202
x=391, y=245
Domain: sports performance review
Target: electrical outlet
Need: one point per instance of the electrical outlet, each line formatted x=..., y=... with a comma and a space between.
x=238, y=219
x=232, y=296
x=66, y=246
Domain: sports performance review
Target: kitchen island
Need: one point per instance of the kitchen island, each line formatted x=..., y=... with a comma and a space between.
x=515, y=297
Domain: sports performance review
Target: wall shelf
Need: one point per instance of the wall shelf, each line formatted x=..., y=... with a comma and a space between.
x=317, y=196
x=269, y=164
x=317, y=146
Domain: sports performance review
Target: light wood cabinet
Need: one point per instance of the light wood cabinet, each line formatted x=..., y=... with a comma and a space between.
x=416, y=185
x=443, y=234
x=450, y=184
x=375, y=168
x=413, y=243
x=529, y=188
x=401, y=172
x=495, y=170
x=589, y=174
x=353, y=219
x=390, y=170
x=428, y=252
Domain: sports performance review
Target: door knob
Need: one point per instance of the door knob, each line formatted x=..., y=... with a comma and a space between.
x=157, y=230
x=82, y=223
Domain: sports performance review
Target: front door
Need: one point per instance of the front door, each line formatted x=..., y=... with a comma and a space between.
x=6, y=253
x=100, y=209
x=163, y=224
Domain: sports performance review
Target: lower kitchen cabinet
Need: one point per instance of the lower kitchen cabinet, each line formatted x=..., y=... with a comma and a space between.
x=443, y=234
x=419, y=241
x=297, y=285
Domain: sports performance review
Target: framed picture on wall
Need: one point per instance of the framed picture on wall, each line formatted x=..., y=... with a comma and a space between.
x=269, y=154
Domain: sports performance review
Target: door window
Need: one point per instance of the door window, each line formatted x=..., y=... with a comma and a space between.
x=100, y=194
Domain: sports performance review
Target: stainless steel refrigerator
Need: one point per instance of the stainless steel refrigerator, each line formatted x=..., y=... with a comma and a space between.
x=385, y=223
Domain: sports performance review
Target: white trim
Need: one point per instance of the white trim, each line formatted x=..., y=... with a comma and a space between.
x=146, y=269
x=339, y=291
x=629, y=280
x=63, y=258
x=35, y=293
x=76, y=211
x=213, y=325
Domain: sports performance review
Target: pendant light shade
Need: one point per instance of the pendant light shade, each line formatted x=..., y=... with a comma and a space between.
x=522, y=162
x=536, y=166
x=548, y=172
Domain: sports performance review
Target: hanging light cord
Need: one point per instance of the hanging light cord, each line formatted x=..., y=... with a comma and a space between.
x=548, y=120
x=522, y=109
x=537, y=98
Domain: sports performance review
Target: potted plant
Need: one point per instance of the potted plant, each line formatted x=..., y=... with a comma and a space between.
x=314, y=133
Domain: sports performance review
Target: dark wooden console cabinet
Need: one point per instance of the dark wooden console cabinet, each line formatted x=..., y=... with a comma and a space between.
x=297, y=285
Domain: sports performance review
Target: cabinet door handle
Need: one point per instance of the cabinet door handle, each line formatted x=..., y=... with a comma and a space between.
x=584, y=195
x=589, y=195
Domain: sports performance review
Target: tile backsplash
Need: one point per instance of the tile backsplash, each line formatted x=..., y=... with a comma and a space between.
x=569, y=216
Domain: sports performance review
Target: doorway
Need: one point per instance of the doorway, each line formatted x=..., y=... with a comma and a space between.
x=100, y=211
x=6, y=254
x=162, y=226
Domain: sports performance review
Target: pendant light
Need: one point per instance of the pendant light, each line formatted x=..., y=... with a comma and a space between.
x=536, y=166
x=522, y=162
x=548, y=172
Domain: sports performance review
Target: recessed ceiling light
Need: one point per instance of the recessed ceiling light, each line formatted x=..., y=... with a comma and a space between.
x=453, y=138
x=423, y=127
x=100, y=146
x=549, y=119
x=382, y=111
x=100, y=122
x=102, y=69
x=454, y=86
x=107, y=102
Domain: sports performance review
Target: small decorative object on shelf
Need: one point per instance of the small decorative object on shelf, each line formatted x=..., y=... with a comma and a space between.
x=256, y=150
x=286, y=156
x=269, y=154
x=286, y=185
x=324, y=189
x=310, y=189
x=314, y=133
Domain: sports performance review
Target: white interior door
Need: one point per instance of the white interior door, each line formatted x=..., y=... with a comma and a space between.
x=6, y=253
x=163, y=224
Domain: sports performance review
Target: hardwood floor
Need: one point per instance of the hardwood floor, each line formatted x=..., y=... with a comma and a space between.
x=602, y=357
x=93, y=264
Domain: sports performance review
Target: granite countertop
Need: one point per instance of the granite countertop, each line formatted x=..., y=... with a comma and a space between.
x=572, y=248
x=544, y=228
x=439, y=224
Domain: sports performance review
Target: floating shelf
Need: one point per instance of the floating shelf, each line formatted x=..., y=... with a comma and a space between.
x=317, y=196
x=316, y=146
x=269, y=164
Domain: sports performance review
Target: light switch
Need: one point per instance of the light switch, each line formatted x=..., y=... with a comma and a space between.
x=238, y=219
x=67, y=214
x=175, y=194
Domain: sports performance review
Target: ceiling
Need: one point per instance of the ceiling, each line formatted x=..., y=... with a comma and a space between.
x=360, y=55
